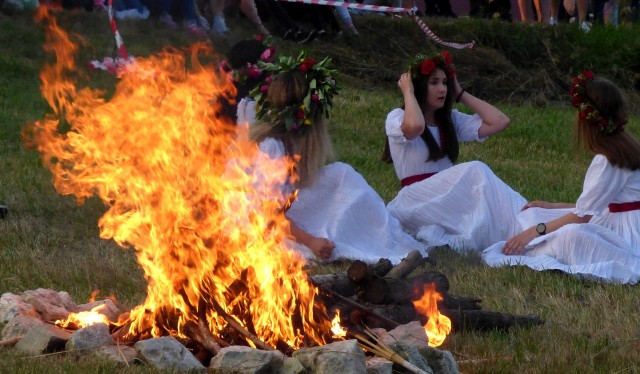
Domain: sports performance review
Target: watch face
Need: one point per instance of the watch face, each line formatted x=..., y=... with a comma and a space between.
x=541, y=228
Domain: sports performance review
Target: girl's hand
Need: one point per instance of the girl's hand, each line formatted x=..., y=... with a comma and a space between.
x=456, y=87
x=515, y=245
x=321, y=247
x=538, y=204
x=405, y=84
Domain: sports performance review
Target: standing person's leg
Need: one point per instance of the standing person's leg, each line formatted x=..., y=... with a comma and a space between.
x=526, y=12
x=189, y=14
x=248, y=8
x=582, y=15
x=345, y=17
x=554, y=8
x=542, y=7
x=218, y=24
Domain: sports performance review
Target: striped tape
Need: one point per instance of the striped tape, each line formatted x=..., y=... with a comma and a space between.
x=381, y=8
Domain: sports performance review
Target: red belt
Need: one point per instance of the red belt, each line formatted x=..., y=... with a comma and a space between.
x=624, y=207
x=417, y=178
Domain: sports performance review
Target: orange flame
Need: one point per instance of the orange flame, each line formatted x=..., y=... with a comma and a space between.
x=337, y=330
x=438, y=326
x=84, y=319
x=176, y=183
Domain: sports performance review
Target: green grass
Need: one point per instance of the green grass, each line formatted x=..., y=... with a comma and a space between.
x=48, y=241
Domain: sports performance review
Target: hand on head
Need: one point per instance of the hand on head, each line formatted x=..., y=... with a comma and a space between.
x=405, y=83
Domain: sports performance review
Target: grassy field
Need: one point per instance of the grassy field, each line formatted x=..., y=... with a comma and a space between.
x=48, y=241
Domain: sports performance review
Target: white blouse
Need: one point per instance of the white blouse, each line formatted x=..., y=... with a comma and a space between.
x=605, y=184
x=409, y=156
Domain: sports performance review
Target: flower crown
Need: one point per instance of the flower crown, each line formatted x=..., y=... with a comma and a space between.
x=425, y=65
x=317, y=101
x=586, y=110
x=253, y=71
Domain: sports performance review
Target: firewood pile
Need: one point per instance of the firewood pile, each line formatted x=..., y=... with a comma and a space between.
x=380, y=295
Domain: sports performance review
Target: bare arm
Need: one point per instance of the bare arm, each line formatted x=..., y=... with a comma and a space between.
x=516, y=244
x=321, y=247
x=493, y=120
x=413, y=123
x=547, y=205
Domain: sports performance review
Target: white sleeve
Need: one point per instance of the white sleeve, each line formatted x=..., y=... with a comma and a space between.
x=272, y=147
x=467, y=126
x=393, y=126
x=246, y=112
x=602, y=183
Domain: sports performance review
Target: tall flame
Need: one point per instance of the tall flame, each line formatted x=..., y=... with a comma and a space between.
x=438, y=326
x=177, y=183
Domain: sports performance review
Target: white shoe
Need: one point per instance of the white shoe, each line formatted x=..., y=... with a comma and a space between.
x=218, y=25
x=553, y=21
x=584, y=26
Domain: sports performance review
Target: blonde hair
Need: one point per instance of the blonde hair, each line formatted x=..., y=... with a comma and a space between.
x=310, y=146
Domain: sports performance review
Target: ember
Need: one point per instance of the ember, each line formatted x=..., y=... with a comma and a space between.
x=207, y=233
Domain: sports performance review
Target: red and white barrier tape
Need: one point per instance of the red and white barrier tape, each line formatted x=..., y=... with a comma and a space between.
x=114, y=65
x=380, y=8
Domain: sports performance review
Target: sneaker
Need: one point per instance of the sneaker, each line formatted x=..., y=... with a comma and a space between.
x=302, y=37
x=553, y=21
x=572, y=19
x=168, y=21
x=584, y=26
x=196, y=30
x=218, y=25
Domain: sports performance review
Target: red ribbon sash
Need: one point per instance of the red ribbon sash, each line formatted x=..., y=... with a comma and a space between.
x=415, y=178
x=624, y=207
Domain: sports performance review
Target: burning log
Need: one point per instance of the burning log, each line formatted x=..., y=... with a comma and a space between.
x=484, y=320
x=236, y=326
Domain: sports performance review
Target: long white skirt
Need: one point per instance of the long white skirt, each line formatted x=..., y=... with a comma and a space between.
x=588, y=250
x=466, y=207
x=344, y=208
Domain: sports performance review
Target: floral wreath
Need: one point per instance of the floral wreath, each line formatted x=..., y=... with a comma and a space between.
x=317, y=101
x=253, y=71
x=586, y=110
x=425, y=65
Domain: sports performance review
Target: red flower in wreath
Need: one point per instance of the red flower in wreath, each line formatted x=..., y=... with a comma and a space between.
x=307, y=64
x=427, y=67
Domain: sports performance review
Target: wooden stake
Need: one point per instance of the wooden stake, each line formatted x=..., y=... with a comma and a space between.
x=10, y=341
x=238, y=327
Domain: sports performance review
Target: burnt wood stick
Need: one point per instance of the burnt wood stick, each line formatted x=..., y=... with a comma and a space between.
x=390, y=324
x=408, y=264
x=483, y=320
x=339, y=283
x=399, y=291
x=402, y=314
x=380, y=268
x=358, y=271
x=459, y=302
x=241, y=330
x=199, y=332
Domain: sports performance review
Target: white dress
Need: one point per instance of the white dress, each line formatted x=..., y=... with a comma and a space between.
x=341, y=206
x=465, y=206
x=607, y=248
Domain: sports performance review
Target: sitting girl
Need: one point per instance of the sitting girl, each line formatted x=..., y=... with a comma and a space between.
x=466, y=206
x=599, y=235
x=336, y=213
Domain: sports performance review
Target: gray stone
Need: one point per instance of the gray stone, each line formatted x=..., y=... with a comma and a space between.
x=378, y=365
x=339, y=357
x=19, y=326
x=411, y=354
x=117, y=353
x=12, y=306
x=243, y=360
x=166, y=353
x=412, y=333
x=290, y=365
x=442, y=362
x=96, y=335
x=43, y=338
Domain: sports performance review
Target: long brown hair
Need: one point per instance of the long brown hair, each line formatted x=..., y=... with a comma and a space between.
x=442, y=117
x=621, y=148
x=311, y=144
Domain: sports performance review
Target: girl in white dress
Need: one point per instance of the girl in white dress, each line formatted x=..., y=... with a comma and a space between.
x=336, y=213
x=465, y=206
x=599, y=235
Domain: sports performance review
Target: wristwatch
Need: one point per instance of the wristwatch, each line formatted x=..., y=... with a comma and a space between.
x=541, y=229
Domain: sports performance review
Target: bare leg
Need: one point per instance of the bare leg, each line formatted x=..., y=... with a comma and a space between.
x=248, y=8
x=542, y=7
x=526, y=13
